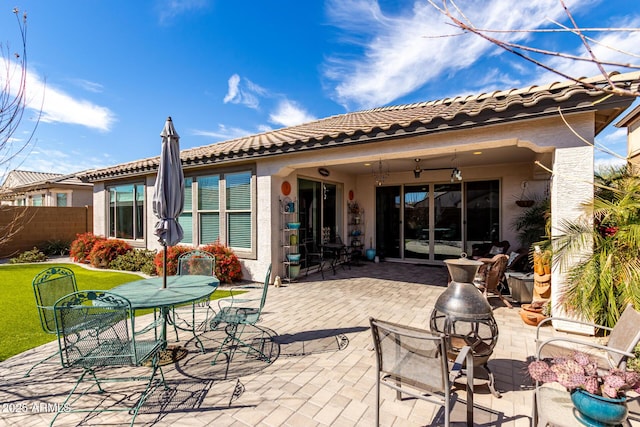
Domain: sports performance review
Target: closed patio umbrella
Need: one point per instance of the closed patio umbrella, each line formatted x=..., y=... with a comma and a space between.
x=168, y=193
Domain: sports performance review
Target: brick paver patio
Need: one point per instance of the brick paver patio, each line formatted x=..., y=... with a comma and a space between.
x=323, y=368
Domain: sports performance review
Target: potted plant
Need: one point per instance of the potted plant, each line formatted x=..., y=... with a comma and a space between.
x=597, y=395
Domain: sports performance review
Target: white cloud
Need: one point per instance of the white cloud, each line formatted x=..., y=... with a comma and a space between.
x=611, y=47
x=288, y=113
x=223, y=133
x=169, y=9
x=243, y=91
x=89, y=86
x=58, y=106
x=398, y=56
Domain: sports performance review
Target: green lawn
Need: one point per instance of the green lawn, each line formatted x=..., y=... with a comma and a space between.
x=20, y=327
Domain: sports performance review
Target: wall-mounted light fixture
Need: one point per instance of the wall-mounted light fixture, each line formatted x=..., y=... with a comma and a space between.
x=456, y=174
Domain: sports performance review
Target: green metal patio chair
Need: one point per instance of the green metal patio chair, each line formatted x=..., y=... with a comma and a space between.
x=48, y=286
x=197, y=315
x=237, y=315
x=96, y=330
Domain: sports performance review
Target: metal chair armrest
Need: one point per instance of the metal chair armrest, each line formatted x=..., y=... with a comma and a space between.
x=580, y=342
x=465, y=355
x=566, y=319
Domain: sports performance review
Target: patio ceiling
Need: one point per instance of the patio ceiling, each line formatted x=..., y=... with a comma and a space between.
x=460, y=159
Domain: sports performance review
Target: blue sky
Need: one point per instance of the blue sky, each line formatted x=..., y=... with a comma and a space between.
x=114, y=70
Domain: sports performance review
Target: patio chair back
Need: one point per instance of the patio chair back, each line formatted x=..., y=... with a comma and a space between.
x=625, y=335
x=414, y=362
x=95, y=328
x=48, y=286
x=196, y=262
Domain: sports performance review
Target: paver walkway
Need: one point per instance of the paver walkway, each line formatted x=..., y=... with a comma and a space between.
x=323, y=372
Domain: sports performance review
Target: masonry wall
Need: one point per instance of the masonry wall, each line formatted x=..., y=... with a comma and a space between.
x=22, y=228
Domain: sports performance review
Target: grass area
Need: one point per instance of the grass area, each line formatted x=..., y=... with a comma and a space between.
x=20, y=328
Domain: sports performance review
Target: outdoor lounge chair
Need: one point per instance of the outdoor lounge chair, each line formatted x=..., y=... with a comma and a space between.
x=197, y=315
x=237, y=315
x=312, y=256
x=48, y=286
x=96, y=330
x=414, y=361
x=492, y=273
x=623, y=338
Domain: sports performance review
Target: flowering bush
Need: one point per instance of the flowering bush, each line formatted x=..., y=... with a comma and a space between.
x=107, y=250
x=173, y=254
x=228, y=268
x=81, y=247
x=580, y=371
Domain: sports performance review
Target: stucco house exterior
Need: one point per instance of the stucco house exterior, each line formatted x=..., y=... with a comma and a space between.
x=28, y=188
x=477, y=156
x=631, y=121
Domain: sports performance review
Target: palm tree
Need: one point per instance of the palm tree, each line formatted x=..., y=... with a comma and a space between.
x=607, y=244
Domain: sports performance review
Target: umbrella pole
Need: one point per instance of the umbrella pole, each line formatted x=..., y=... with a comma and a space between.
x=164, y=268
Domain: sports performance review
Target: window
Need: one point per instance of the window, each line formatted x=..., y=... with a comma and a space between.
x=61, y=199
x=238, y=186
x=186, y=218
x=126, y=211
x=220, y=207
x=37, y=200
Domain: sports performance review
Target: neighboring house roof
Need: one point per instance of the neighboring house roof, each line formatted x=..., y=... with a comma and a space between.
x=20, y=182
x=18, y=178
x=401, y=121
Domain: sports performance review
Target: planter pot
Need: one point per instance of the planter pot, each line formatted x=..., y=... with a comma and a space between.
x=294, y=271
x=593, y=410
x=371, y=254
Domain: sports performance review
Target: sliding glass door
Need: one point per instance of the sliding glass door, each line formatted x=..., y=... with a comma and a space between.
x=321, y=216
x=435, y=222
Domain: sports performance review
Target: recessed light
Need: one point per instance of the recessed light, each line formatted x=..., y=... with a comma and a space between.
x=477, y=153
x=367, y=164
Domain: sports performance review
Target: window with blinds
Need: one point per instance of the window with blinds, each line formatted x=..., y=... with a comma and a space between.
x=238, y=189
x=186, y=218
x=220, y=207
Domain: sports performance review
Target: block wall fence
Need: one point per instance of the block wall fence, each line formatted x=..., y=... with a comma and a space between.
x=23, y=227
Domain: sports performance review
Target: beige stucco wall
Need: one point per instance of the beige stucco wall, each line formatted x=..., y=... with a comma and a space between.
x=542, y=136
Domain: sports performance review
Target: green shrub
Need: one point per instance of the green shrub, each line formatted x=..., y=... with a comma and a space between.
x=107, y=250
x=135, y=260
x=56, y=247
x=81, y=247
x=228, y=267
x=173, y=254
x=634, y=364
x=34, y=255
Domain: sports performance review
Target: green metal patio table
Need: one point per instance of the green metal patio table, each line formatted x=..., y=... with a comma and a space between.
x=149, y=293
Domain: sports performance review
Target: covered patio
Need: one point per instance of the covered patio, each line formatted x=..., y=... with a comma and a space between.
x=323, y=373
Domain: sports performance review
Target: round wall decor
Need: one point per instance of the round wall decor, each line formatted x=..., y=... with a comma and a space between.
x=285, y=188
x=323, y=171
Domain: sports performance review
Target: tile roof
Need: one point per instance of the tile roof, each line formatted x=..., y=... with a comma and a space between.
x=18, y=178
x=391, y=122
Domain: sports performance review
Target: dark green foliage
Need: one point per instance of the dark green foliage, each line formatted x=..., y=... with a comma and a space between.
x=34, y=255
x=135, y=260
x=56, y=247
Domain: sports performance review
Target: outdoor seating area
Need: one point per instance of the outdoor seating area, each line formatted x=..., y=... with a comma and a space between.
x=316, y=364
